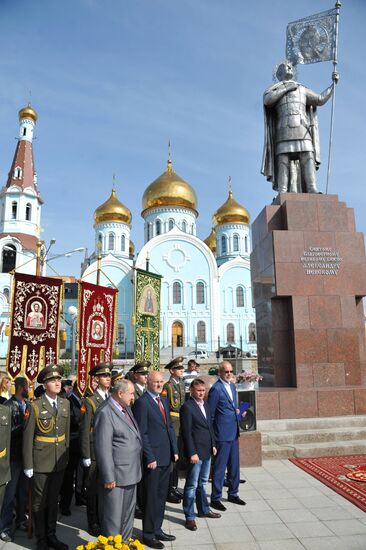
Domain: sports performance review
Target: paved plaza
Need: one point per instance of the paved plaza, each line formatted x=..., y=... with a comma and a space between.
x=286, y=509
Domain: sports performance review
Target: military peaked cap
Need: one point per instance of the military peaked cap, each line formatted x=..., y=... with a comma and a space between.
x=99, y=370
x=50, y=372
x=176, y=363
x=141, y=368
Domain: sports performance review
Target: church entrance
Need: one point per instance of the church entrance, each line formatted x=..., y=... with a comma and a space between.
x=177, y=334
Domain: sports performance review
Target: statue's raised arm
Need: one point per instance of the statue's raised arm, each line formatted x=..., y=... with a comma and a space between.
x=291, y=150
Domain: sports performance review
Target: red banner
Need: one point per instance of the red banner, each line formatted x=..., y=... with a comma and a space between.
x=33, y=342
x=97, y=306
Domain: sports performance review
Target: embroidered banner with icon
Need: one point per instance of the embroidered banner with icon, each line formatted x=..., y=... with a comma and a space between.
x=147, y=333
x=33, y=342
x=97, y=307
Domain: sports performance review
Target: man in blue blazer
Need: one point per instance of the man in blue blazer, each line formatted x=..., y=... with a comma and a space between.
x=159, y=449
x=223, y=405
x=198, y=445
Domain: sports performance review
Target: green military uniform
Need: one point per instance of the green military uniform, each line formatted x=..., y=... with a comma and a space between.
x=88, y=408
x=174, y=391
x=45, y=452
x=5, y=431
x=140, y=368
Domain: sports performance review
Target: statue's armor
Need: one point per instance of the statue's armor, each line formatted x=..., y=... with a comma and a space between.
x=293, y=129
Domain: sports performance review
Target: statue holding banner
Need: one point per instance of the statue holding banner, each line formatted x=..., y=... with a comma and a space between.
x=291, y=150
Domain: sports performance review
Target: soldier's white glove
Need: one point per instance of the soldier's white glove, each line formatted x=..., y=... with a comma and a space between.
x=86, y=462
x=29, y=472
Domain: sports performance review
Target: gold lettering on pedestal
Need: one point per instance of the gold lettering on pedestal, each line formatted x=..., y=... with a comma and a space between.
x=321, y=260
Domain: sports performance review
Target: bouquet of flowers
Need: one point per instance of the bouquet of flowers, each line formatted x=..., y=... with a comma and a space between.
x=112, y=543
x=248, y=376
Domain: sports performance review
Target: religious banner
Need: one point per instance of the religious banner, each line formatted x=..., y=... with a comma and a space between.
x=312, y=39
x=147, y=327
x=98, y=309
x=33, y=342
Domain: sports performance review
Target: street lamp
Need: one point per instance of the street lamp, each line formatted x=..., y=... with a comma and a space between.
x=73, y=312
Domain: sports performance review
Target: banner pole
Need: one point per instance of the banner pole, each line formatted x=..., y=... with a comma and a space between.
x=335, y=63
x=99, y=261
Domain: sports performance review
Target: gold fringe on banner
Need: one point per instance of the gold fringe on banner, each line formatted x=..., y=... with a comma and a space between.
x=24, y=358
x=41, y=362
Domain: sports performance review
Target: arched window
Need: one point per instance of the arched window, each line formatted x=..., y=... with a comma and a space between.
x=252, y=332
x=177, y=293
x=123, y=243
x=158, y=227
x=28, y=212
x=9, y=255
x=184, y=226
x=14, y=210
x=171, y=224
x=236, y=243
x=200, y=293
x=111, y=241
x=223, y=245
x=6, y=292
x=24, y=131
x=201, y=332
x=121, y=333
x=148, y=232
x=230, y=333
x=239, y=296
x=246, y=244
x=18, y=173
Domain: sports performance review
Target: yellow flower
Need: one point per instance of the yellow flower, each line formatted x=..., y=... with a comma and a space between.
x=125, y=547
x=118, y=545
x=89, y=546
x=81, y=547
x=108, y=547
x=102, y=539
x=110, y=537
x=137, y=545
x=118, y=539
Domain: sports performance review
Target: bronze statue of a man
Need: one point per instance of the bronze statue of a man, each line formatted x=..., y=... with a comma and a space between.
x=291, y=149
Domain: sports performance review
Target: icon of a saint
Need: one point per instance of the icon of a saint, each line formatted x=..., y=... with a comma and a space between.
x=35, y=318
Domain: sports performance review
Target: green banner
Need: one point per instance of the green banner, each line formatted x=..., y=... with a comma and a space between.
x=147, y=313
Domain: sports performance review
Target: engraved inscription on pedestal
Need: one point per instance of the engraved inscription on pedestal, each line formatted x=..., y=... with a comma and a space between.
x=320, y=260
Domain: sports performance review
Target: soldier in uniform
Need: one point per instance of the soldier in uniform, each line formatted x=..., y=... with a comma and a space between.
x=102, y=373
x=45, y=454
x=5, y=432
x=174, y=391
x=139, y=377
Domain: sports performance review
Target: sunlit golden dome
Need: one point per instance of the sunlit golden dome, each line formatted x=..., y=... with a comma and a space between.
x=112, y=210
x=131, y=248
x=211, y=241
x=28, y=112
x=169, y=189
x=230, y=212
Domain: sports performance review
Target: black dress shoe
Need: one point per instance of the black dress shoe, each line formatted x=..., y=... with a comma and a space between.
x=153, y=543
x=218, y=505
x=173, y=499
x=53, y=542
x=178, y=493
x=236, y=500
x=94, y=530
x=242, y=480
x=165, y=536
x=138, y=514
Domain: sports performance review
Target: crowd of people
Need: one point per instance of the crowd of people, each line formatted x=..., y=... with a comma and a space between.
x=118, y=451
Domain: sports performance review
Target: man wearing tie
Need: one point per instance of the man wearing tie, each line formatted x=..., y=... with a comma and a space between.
x=222, y=401
x=160, y=449
x=45, y=455
x=118, y=452
x=198, y=444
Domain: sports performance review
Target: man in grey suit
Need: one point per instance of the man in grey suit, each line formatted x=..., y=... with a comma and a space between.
x=118, y=452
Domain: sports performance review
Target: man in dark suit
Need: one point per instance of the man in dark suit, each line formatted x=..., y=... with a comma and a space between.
x=160, y=449
x=118, y=452
x=198, y=444
x=223, y=404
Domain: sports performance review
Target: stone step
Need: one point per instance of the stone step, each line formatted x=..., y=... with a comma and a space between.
x=329, y=448
x=311, y=423
x=311, y=436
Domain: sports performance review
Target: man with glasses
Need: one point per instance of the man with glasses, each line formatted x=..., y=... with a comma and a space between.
x=222, y=401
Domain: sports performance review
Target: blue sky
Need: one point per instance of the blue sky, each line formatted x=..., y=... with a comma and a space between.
x=114, y=80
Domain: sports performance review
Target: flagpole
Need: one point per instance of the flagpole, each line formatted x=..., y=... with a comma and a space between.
x=335, y=62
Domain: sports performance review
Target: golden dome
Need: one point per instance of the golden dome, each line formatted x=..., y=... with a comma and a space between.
x=211, y=241
x=112, y=210
x=230, y=212
x=169, y=189
x=131, y=248
x=28, y=112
